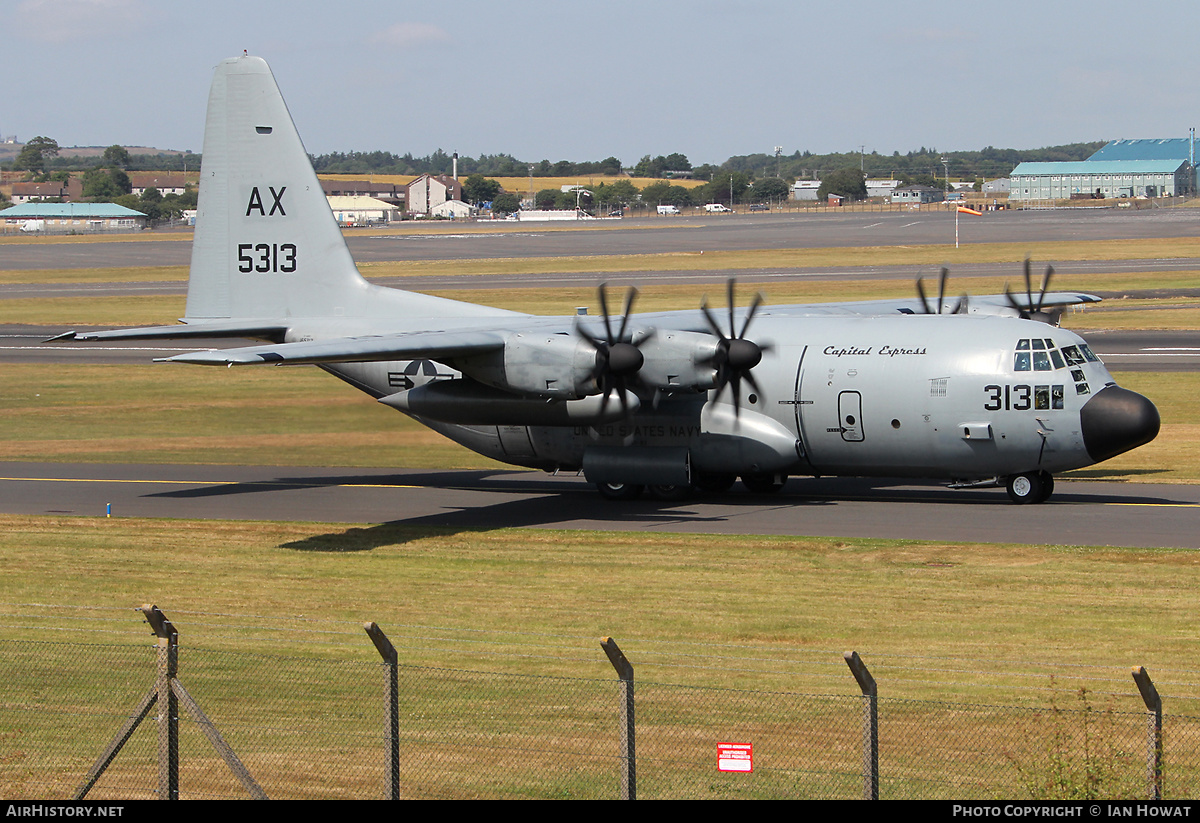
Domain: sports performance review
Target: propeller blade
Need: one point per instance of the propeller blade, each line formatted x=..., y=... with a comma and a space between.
x=1045, y=286
x=921, y=294
x=753, y=310
x=1028, y=285
x=942, y=288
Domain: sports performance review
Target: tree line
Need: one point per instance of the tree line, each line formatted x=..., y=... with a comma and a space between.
x=740, y=179
x=105, y=179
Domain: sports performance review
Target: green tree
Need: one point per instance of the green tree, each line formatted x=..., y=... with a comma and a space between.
x=105, y=185
x=546, y=199
x=506, y=202
x=479, y=189
x=769, y=188
x=34, y=154
x=618, y=194
x=849, y=182
x=726, y=187
x=116, y=157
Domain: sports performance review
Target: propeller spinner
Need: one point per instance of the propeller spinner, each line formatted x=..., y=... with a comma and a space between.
x=939, y=308
x=735, y=355
x=617, y=358
x=1033, y=309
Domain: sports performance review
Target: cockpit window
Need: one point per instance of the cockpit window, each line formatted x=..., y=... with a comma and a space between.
x=1039, y=354
x=1073, y=355
x=1087, y=352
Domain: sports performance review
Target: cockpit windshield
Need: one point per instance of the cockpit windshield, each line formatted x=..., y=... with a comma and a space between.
x=1041, y=354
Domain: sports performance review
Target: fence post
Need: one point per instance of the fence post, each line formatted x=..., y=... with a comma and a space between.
x=168, y=703
x=628, y=749
x=391, y=710
x=167, y=693
x=1154, y=740
x=870, y=727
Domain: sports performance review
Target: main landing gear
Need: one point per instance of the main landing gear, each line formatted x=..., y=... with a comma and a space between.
x=1030, y=487
x=705, y=483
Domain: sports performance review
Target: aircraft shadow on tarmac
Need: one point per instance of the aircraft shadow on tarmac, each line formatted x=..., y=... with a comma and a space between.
x=547, y=502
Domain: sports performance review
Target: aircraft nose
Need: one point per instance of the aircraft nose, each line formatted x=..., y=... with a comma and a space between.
x=1116, y=420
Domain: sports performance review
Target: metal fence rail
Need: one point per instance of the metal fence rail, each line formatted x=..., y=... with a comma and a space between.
x=315, y=727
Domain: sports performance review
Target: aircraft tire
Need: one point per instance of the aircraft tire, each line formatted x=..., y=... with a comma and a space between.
x=763, y=483
x=1047, y=487
x=670, y=493
x=619, y=491
x=1026, y=488
x=715, y=483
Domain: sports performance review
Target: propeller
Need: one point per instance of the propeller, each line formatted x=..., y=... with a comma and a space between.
x=735, y=355
x=1031, y=309
x=959, y=308
x=617, y=358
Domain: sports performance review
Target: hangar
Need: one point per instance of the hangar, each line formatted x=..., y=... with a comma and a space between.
x=1122, y=168
x=71, y=218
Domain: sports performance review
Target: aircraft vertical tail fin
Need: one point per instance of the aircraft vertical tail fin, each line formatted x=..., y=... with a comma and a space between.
x=267, y=245
x=266, y=242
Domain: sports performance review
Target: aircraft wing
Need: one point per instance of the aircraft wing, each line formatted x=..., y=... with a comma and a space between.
x=975, y=304
x=422, y=345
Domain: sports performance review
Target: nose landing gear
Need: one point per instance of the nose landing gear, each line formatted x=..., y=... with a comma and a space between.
x=1030, y=487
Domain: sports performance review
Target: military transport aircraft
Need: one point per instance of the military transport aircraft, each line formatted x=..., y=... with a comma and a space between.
x=981, y=392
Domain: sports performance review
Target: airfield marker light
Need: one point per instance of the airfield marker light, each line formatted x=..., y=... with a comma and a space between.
x=108, y=509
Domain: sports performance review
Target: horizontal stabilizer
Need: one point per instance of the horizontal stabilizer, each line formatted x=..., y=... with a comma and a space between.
x=423, y=345
x=264, y=330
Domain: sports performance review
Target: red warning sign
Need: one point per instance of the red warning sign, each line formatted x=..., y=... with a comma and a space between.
x=735, y=757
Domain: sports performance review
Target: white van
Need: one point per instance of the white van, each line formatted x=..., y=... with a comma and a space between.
x=717, y=208
x=668, y=209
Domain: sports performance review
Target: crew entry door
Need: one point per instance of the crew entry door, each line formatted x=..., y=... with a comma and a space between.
x=850, y=416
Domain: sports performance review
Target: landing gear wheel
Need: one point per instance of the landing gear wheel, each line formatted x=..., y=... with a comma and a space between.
x=715, y=483
x=670, y=493
x=1047, y=487
x=764, y=483
x=619, y=491
x=1030, y=487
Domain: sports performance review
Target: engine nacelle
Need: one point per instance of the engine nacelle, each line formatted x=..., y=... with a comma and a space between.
x=677, y=360
x=556, y=366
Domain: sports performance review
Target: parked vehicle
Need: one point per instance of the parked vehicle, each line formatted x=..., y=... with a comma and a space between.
x=668, y=209
x=717, y=208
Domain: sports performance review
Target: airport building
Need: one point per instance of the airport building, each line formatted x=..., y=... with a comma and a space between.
x=1122, y=168
x=361, y=211
x=71, y=218
x=918, y=195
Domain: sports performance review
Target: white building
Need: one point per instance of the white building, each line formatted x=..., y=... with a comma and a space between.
x=362, y=211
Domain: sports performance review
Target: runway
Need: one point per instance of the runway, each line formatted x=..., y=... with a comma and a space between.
x=650, y=235
x=1080, y=513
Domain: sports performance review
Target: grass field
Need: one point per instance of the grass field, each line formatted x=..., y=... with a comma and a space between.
x=957, y=624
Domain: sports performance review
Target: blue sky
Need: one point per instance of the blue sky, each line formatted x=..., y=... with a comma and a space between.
x=582, y=81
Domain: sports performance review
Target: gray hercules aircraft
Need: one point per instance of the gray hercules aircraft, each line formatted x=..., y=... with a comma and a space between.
x=982, y=392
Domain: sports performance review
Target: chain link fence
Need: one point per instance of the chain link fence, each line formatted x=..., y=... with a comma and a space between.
x=321, y=727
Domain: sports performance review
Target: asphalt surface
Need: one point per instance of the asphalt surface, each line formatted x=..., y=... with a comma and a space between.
x=1079, y=513
x=668, y=235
